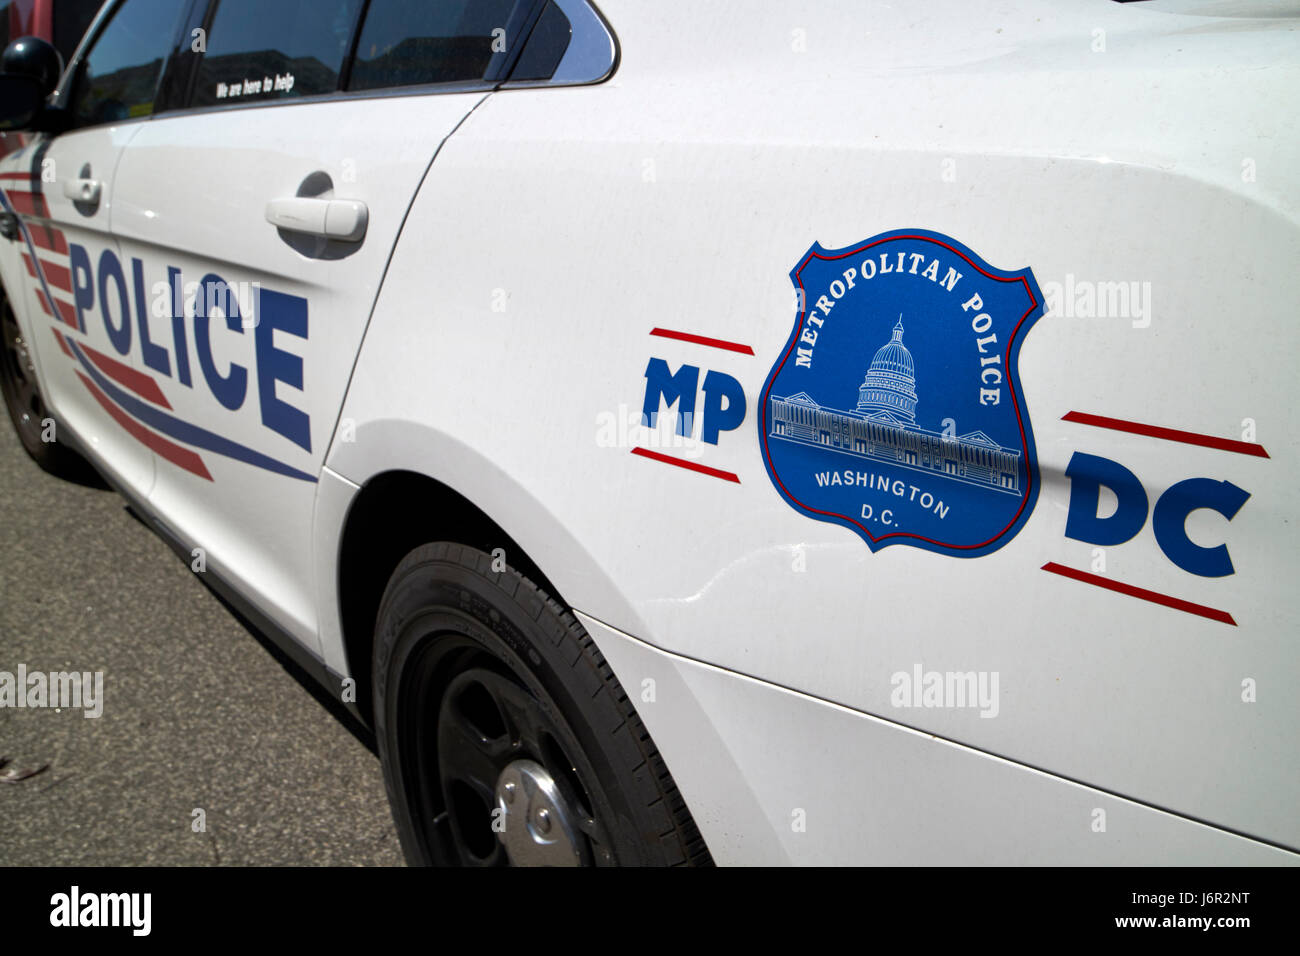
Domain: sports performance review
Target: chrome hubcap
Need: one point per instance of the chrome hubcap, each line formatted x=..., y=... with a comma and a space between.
x=539, y=827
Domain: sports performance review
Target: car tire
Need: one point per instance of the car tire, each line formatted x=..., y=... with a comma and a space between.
x=504, y=736
x=25, y=403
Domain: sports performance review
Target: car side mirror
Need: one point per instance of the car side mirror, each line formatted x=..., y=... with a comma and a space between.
x=29, y=72
x=34, y=57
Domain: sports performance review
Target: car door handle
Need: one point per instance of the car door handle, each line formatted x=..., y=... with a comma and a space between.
x=342, y=219
x=82, y=190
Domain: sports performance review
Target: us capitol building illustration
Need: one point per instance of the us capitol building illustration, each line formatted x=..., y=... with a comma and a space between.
x=883, y=427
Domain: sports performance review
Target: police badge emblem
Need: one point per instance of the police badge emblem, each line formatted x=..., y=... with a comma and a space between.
x=895, y=408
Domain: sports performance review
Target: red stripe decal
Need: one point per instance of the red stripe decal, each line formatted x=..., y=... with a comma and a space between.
x=181, y=457
x=56, y=275
x=68, y=312
x=690, y=465
x=136, y=381
x=703, y=340
x=1169, y=434
x=47, y=237
x=1155, y=597
x=63, y=343
x=27, y=204
x=27, y=177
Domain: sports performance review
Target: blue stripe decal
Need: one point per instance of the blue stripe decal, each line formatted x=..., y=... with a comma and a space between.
x=184, y=431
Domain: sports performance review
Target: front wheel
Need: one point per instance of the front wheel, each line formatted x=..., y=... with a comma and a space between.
x=505, y=737
x=25, y=403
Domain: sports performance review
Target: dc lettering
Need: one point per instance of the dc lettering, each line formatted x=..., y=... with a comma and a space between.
x=1088, y=473
x=724, y=399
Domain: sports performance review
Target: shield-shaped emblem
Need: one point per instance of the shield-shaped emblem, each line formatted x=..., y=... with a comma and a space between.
x=895, y=408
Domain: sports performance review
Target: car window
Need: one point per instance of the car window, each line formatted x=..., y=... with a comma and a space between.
x=409, y=42
x=118, y=78
x=259, y=50
x=546, y=45
x=570, y=44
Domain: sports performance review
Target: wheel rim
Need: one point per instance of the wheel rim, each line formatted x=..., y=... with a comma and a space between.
x=18, y=377
x=484, y=750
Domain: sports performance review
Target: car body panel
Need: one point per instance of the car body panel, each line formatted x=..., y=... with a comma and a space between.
x=752, y=762
x=303, y=308
x=680, y=195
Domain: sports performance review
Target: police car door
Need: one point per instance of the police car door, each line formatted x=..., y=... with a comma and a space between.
x=265, y=214
x=79, y=285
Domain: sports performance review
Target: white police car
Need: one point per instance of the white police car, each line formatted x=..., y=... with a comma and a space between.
x=876, y=415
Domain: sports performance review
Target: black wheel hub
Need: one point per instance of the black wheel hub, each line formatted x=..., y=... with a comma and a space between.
x=492, y=767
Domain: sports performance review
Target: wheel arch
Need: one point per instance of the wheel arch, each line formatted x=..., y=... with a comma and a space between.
x=393, y=513
x=410, y=484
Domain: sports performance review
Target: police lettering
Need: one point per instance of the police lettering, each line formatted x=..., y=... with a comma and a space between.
x=886, y=263
x=194, y=332
x=986, y=345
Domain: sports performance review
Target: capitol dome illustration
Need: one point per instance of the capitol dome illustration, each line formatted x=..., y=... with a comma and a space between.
x=890, y=386
x=883, y=429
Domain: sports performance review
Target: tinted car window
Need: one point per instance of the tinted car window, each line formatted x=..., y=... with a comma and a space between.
x=260, y=50
x=546, y=45
x=119, y=77
x=407, y=42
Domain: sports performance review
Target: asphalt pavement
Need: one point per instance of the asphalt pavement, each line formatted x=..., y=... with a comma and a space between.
x=198, y=714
